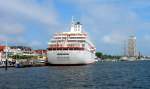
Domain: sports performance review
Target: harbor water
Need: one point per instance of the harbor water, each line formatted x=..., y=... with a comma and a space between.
x=102, y=75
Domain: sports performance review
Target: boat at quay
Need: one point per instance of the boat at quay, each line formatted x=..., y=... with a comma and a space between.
x=71, y=48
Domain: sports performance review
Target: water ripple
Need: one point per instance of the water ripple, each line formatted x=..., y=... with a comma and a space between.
x=102, y=75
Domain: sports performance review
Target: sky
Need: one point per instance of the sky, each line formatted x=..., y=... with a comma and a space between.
x=108, y=22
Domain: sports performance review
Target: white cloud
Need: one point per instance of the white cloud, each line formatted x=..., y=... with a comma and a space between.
x=30, y=10
x=111, y=21
x=108, y=20
x=16, y=15
x=35, y=44
x=114, y=39
x=10, y=28
x=3, y=38
x=147, y=38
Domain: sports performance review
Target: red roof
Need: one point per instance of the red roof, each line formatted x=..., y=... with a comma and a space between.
x=2, y=48
x=40, y=51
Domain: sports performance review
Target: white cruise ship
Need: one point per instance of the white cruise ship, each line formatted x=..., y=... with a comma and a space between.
x=71, y=48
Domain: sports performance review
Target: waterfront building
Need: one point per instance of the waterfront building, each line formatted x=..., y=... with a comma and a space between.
x=132, y=46
x=1, y=52
x=40, y=52
x=14, y=50
x=23, y=50
x=0, y=56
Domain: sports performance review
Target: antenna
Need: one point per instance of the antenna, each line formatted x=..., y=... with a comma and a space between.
x=73, y=19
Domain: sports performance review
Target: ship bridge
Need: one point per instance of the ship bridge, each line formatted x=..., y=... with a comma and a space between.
x=76, y=27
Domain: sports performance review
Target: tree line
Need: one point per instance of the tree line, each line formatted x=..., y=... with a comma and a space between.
x=105, y=56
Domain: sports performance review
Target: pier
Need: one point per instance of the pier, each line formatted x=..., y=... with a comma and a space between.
x=23, y=63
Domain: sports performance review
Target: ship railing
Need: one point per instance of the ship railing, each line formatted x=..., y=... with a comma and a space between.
x=65, y=48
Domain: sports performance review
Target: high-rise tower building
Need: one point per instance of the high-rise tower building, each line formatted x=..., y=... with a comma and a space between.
x=132, y=46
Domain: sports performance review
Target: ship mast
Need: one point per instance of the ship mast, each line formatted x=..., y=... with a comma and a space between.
x=125, y=50
x=72, y=24
x=73, y=19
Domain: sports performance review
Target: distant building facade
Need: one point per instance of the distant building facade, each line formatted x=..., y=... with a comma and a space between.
x=14, y=50
x=40, y=52
x=132, y=46
x=1, y=52
x=23, y=50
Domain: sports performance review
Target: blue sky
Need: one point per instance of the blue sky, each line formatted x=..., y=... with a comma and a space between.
x=108, y=22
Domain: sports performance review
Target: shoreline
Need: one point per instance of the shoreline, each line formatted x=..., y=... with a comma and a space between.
x=47, y=64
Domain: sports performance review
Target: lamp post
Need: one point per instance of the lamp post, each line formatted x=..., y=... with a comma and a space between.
x=6, y=62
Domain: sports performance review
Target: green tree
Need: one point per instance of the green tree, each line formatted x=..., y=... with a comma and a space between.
x=99, y=54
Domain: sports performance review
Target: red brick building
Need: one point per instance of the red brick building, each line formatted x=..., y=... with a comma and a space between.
x=40, y=52
x=2, y=48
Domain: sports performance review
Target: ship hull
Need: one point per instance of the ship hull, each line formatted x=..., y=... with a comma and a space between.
x=70, y=57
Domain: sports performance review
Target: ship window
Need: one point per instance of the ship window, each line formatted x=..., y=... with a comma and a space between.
x=75, y=48
x=49, y=48
x=83, y=45
x=62, y=54
x=70, y=48
x=65, y=49
x=58, y=48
